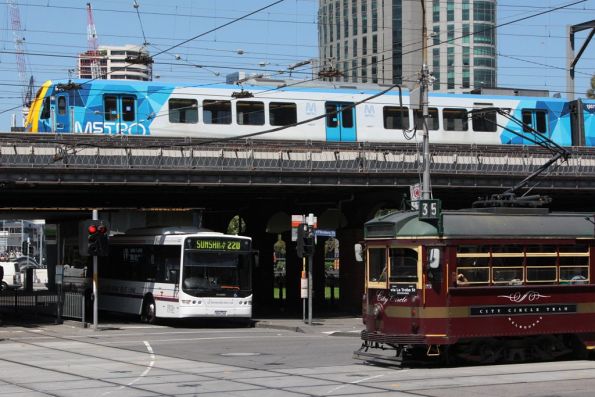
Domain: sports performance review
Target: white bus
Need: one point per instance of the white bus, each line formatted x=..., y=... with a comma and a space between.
x=177, y=272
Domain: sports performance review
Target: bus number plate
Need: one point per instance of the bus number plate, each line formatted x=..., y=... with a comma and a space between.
x=220, y=312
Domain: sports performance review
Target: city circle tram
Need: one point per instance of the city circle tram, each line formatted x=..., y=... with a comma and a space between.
x=482, y=285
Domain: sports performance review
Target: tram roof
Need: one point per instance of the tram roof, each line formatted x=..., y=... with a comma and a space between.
x=484, y=223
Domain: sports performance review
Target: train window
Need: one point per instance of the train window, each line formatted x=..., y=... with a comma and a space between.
x=250, y=113
x=110, y=108
x=282, y=113
x=455, y=119
x=377, y=265
x=216, y=112
x=484, y=121
x=128, y=111
x=183, y=110
x=347, y=116
x=403, y=265
x=45, y=112
x=61, y=105
x=332, y=119
x=536, y=119
x=433, y=122
x=396, y=118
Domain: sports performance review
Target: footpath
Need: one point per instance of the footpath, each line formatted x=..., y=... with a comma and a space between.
x=335, y=326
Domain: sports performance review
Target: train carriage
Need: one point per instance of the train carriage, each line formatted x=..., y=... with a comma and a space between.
x=275, y=110
x=483, y=285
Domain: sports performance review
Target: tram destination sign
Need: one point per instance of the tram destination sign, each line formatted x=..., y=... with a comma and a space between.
x=216, y=244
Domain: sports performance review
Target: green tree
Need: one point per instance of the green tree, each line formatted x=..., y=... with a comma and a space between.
x=591, y=91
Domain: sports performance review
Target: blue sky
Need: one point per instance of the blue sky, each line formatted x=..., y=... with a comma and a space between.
x=532, y=52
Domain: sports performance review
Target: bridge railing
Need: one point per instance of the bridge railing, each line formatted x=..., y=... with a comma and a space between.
x=350, y=159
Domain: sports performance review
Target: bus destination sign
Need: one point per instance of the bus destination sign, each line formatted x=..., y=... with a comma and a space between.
x=212, y=244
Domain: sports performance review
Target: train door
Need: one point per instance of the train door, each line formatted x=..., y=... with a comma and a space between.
x=120, y=115
x=340, y=121
x=62, y=123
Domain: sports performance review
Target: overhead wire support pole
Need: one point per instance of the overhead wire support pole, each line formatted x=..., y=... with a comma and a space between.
x=426, y=194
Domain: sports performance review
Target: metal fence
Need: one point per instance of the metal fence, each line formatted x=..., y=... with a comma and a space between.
x=71, y=305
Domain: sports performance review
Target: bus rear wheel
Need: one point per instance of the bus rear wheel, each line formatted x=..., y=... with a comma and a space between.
x=149, y=311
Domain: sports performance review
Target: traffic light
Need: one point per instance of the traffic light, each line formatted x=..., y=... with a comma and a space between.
x=305, y=242
x=96, y=242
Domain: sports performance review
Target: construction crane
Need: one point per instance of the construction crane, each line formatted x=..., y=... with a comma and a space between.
x=92, y=44
x=25, y=78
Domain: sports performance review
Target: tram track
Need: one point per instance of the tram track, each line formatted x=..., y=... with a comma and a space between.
x=369, y=380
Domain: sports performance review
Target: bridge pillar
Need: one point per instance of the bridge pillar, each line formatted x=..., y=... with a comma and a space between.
x=352, y=273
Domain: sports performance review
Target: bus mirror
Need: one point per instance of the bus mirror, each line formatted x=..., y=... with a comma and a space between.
x=434, y=258
x=256, y=258
x=359, y=253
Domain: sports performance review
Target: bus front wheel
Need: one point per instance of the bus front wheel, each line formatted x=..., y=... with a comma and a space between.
x=149, y=311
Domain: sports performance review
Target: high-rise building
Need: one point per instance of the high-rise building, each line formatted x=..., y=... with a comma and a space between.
x=380, y=41
x=114, y=64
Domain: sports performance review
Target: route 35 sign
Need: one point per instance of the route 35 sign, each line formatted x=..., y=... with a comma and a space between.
x=429, y=210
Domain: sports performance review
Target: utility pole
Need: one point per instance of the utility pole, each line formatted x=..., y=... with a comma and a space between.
x=426, y=193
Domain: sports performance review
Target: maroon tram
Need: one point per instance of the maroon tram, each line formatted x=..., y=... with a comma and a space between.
x=482, y=285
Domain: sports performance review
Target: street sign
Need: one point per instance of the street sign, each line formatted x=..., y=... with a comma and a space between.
x=325, y=233
x=415, y=193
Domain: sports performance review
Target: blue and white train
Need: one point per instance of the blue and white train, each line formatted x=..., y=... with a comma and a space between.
x=298, y=113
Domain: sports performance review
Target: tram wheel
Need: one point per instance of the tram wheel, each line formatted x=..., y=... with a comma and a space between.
x=3, y=286
x=149, y=311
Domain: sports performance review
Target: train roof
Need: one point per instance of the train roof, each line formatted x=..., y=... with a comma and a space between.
x=484, y=223
x=263, y=84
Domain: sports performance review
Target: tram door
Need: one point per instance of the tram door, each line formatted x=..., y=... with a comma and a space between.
x=120, y=115
x=62, y=123
x=340, y=121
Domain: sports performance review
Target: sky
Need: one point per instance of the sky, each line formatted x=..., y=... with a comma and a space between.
x=532, y=53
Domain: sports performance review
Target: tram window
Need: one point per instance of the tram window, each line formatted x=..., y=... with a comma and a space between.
x=508, y=249
x=128, y=112
x=403, y=265
x=455, y=119
x=462, y=249
x=110, y=108
x=473, y=261
x=183, y=110
x=377, y=264
x=433, y=122
x=552, y=249
x=45, y=112
x=574, y=248
x=574, y=274
x=541, y=274
x=507, y=275
x=392, y=117
x=485, y=121
x=282, y=113
x=332, y=119
x=472, y=275
x=216, y=112
x=574, y=260
x=536, y=119
x=507, y=261
x=250, y=113
x=61, y=105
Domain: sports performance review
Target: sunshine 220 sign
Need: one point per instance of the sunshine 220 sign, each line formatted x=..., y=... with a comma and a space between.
x=210, y=244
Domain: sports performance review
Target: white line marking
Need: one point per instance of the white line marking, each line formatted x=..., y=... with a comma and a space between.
x=143, y=374
x=355, y=382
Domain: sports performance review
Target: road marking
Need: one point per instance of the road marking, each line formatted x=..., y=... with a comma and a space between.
x=355, y=382
x=143, y=374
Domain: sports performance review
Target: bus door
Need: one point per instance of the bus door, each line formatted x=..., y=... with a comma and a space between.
x=62, y=113
x=340, y=121
x=120, y=115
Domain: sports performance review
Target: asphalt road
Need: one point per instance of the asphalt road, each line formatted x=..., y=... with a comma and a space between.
x=137, y=360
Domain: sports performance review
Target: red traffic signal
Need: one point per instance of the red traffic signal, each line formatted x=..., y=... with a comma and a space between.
x=92, y=229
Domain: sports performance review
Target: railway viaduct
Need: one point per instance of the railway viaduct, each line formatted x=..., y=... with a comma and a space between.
x=134, y=179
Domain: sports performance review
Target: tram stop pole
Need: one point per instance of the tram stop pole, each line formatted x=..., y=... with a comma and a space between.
x=95, y=287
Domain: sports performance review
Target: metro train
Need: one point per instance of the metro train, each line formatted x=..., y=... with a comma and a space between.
x=275, y=110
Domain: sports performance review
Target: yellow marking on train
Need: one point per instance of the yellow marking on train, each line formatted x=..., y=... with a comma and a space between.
x=436, y=335
x=35, y=108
